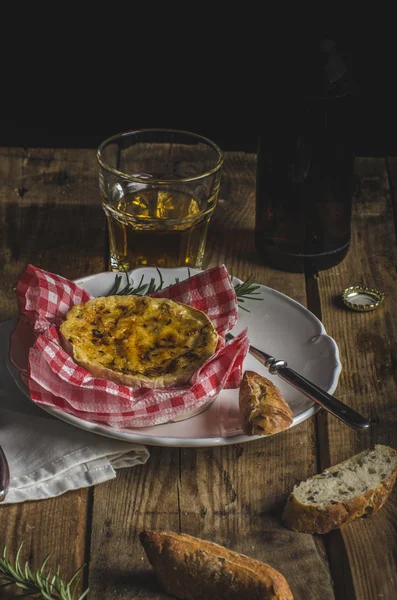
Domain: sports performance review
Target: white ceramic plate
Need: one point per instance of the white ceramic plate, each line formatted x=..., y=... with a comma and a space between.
x=277, y=324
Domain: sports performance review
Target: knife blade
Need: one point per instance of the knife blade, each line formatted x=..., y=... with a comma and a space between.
x=334, y=406
x=4, y=475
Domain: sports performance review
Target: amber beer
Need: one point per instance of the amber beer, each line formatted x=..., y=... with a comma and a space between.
x=159, y=189
x=165, y=228
x=305, y=174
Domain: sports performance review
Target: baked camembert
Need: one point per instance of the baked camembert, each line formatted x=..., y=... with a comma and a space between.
x=139, y=341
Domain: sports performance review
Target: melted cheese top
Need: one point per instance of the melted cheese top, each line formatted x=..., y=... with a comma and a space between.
x=140, y=336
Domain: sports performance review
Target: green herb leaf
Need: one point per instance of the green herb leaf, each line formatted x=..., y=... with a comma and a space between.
x=39, y=583
x=247, y=290
x=244, y=291
x=142, y=289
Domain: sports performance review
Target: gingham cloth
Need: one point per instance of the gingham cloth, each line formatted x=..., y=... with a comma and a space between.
x=54, y=379
x=48, y=457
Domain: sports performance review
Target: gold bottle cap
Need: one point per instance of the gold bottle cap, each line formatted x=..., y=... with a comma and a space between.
x=362, y=298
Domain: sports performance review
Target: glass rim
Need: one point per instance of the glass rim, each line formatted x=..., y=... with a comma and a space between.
x=145, y=180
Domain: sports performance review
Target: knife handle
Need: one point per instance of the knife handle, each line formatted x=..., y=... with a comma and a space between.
x=311, y=390
x=325, y=400
x=4, y=475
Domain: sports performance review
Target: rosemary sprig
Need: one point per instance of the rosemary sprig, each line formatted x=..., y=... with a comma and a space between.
x=244, y=291
x=142, y=289
x=39, y=583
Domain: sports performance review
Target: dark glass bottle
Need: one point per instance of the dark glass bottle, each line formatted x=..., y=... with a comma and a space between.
x=305, y=169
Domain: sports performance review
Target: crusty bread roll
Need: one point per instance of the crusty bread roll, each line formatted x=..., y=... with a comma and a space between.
x=193, y=569
x=357, y=487
x=138, y=340
x=263, y=410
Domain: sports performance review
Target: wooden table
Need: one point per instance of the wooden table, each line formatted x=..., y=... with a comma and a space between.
x=233, y=495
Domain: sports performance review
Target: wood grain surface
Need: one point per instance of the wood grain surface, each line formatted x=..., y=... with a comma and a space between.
x=49, y=217
x=367, y=344
x=233, y=495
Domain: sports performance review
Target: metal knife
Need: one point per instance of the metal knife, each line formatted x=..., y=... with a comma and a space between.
x=4, y=475
x=316, y=394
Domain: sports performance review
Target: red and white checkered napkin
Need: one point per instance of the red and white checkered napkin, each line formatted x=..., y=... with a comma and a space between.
x=54, y=379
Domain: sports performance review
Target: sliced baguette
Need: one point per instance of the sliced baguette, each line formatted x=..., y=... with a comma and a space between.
x=263, y=410
x=357, y=487
x=194, y=569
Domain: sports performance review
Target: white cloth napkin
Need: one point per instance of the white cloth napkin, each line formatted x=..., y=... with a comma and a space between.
x=46, y=456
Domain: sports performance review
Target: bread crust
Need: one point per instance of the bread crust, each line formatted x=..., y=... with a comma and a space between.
x=308, y=518
x=263, y=409
x=194, y=569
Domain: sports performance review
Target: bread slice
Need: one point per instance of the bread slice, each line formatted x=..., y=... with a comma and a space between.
x=194, y=569
x=263, y=410
x=139, y=341
x=357, y=487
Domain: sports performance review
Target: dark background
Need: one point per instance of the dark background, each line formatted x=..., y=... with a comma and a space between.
x=229, y=101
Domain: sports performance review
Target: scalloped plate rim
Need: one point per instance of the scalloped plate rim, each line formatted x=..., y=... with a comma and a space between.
x=180, y=442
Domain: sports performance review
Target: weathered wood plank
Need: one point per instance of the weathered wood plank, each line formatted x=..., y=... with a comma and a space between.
x=232, y=495
x=235, y=495
x=50, y=216
x=367, y=344
x=144, y=497
x=56, y=526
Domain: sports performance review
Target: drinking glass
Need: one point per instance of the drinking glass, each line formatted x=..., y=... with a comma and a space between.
x=159, y=189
